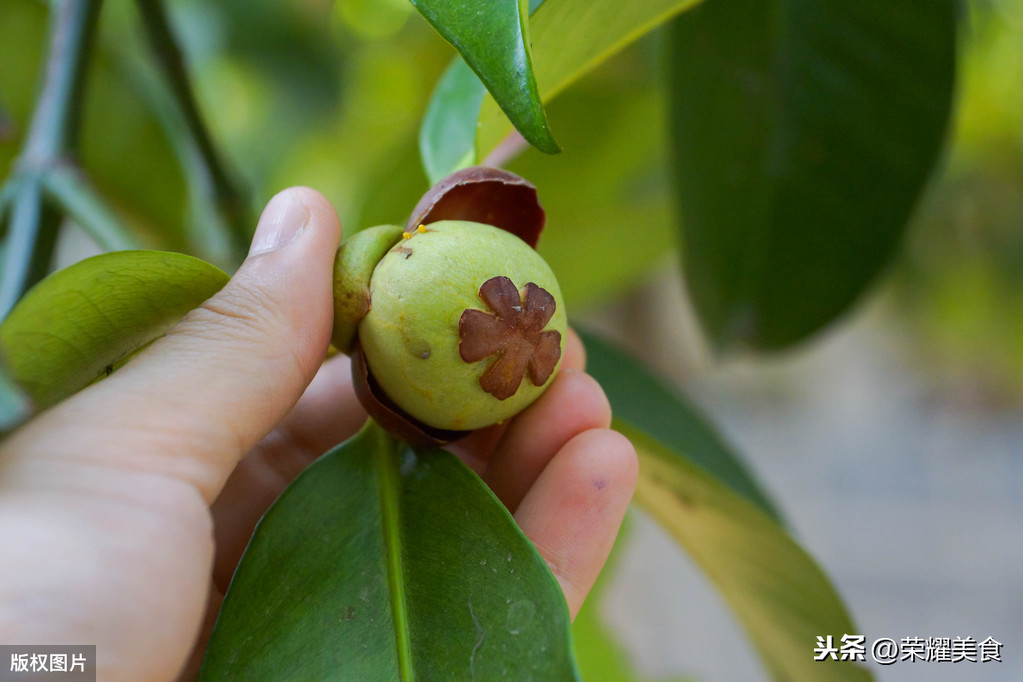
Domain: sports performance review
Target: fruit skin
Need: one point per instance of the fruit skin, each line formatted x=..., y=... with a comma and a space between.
x=410, y=336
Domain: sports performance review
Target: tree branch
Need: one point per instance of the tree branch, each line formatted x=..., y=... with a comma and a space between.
x=33, y=226
x=229, y=199
x=68, y=188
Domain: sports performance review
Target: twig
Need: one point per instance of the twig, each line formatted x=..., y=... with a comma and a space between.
x=33, y=226
x=229, y=200
x=68, y=187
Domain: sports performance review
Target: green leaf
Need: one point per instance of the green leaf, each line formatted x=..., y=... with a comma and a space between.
x=382, y=563
x=570, y=37
x=702, y=494
x=77, y=324
x=804, y=133
x=648, y=406
x=493, y=39
x=777, y=591
x=447, y=138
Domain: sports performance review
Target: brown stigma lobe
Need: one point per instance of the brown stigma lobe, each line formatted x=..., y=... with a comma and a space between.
x=514, y=332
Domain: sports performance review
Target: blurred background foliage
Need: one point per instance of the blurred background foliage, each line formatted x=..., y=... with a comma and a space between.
x=960, y=282
x=331, y=95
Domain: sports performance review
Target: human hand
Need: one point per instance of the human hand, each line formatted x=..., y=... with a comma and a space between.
x=125, y=509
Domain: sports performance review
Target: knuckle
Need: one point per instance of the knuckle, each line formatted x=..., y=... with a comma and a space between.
x=236, y=313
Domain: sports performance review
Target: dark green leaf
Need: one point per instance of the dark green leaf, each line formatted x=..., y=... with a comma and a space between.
x=776, y=590
x=77, y=324
x=493, y=40
x=805, y=130
x=571, y=37
x=647, y=405
x=381, y=563
x=447, y=139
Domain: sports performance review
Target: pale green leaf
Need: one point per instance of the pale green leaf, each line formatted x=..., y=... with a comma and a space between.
x=706, y=498
x=776, y=590
x=77, y=324
x=447, y=138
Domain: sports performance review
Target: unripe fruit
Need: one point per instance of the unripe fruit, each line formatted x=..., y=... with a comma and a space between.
x=424, y=350
x=455, y=322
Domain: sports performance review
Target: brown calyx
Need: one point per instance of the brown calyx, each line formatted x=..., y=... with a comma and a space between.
x=483, y=195
x=387, y=414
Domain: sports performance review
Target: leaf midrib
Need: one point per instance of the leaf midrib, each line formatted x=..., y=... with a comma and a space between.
x=389, y=483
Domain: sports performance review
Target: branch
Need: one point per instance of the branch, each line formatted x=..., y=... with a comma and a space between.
x=33, y=226
x=228, y=198
x=68, y=188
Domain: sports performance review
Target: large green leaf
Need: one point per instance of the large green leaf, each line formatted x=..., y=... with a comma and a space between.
x=382, y=563
x=805, y=130
x=493, y=39
x=648, y=405
x=77, y=324
x=701, y=493
x=570, y=37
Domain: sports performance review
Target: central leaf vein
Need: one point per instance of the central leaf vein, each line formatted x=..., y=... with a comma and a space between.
x=389, y=482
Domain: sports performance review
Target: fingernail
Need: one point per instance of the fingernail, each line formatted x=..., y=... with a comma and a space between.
x=282, y=221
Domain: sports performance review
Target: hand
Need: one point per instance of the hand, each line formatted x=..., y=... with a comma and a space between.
x=125, y=509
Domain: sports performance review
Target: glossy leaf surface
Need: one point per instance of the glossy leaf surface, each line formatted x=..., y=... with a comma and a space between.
x=804, y=133
x=598, y=29
x=447, y=137
x=77, y=324
x=700, y=492
x=493, y=39
x=382, y=563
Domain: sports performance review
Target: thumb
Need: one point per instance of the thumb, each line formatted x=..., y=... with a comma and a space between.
x=200, y=397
